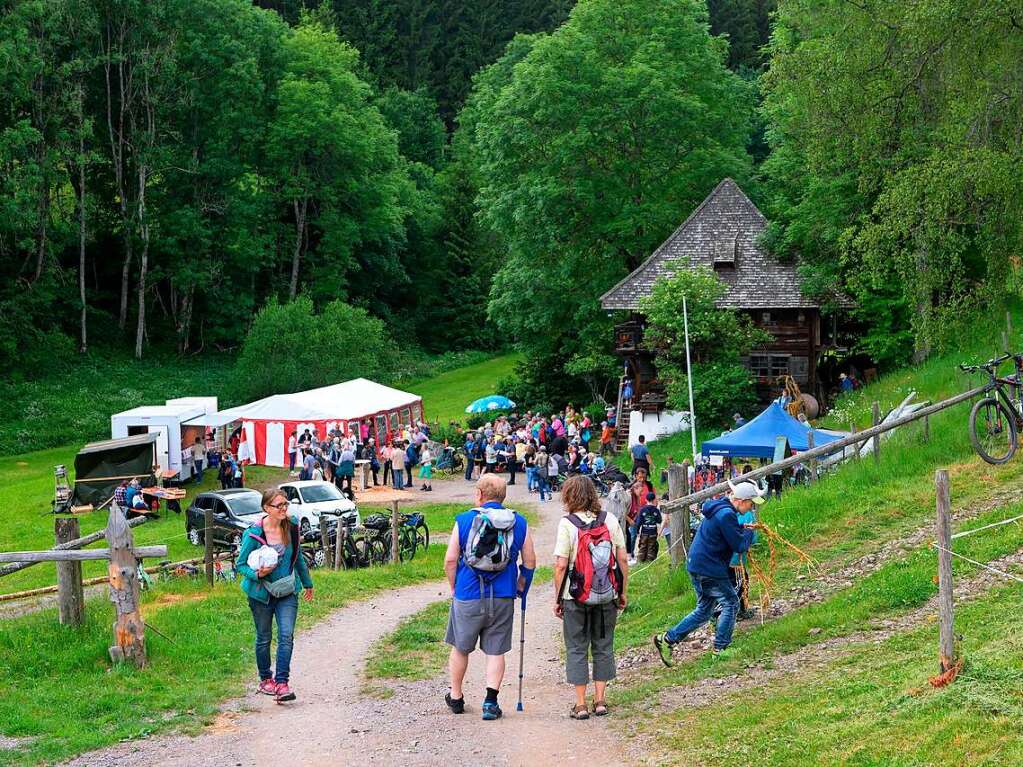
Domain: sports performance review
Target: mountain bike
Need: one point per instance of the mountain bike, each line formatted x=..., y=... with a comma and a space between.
x=378, y=528
x=450, y=461
x=417, y=522
x=995, y=420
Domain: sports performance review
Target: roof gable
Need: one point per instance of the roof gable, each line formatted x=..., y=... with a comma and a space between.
x=720, y=234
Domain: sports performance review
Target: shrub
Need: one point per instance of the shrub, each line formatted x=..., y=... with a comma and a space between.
x=719, y=390
x=289, y=348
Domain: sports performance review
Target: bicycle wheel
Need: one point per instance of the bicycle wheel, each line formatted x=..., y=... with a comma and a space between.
x=407, y=544
x=993, y=430
x=363, y=553
x=423, y=534
x=378, y=554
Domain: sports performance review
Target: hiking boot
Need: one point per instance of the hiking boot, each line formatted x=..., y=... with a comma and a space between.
x=267, y=687
x=491, y=711
x=456, y=706
x=663, y=649
x=284, y=692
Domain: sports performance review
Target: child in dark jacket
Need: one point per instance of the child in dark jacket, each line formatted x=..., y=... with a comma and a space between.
x=648, y=525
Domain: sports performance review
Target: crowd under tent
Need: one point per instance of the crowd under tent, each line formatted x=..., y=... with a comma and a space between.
x=758, y=437
x=268, y=422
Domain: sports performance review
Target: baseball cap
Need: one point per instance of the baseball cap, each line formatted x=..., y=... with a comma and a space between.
x=747, y=491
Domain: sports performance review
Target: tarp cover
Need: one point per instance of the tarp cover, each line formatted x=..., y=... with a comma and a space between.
x=103, y=461
x=756, y=438
x=345, y=401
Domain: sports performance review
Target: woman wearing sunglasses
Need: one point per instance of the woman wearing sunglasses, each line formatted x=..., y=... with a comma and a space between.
x=273, y=590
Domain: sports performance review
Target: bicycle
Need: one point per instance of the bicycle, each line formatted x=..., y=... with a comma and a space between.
x=356, y=551
x=417, y=522
x=378, y=527
x=450, y=461
x=995, y=420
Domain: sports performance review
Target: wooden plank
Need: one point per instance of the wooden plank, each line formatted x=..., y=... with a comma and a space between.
x=75, y=544
x=822, y=450
x=141, y=552
x=946, y=636
x=129, y=629
x=71, y=597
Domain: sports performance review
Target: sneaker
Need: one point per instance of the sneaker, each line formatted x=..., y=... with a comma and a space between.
x=632, y=561
x=284, y=692
x=267, y=687
x=456, y=706
x=491, y=711
x=723, y=654
x=663, y=649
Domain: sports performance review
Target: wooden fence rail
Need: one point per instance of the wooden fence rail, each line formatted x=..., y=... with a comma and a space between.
x=822, y=450
x=77, y=543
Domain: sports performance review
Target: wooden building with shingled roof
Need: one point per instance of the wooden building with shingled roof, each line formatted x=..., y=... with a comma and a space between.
x=722, y=234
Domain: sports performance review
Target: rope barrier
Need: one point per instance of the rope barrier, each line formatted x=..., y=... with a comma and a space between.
x=978, y=564
x=965, y=533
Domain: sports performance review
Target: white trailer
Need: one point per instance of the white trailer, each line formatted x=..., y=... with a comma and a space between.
x=176, y=425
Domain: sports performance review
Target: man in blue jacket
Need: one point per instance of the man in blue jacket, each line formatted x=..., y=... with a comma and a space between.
x=719, y=537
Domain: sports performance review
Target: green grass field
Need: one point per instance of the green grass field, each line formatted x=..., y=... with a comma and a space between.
x=446, y=395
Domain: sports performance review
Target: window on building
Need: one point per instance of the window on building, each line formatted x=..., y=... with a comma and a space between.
x=769, y=365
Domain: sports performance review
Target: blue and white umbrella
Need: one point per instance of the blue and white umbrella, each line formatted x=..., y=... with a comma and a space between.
x=493, y=402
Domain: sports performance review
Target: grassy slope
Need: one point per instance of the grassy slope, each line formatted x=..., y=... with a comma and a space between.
x=852, y=513
x=446, y=395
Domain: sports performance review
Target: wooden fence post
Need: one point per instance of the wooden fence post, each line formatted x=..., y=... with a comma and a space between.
x=394, y=532
x=1008, y=324
x=325, y=541
x=1005, y=341
x=341, y=530
x=876, y=410
x=129, y=628
x=813, y=461
x=927, y=428
x=856, y=445
x=70, y=596
x=207, y=537
x=946, y=645
x=676, y=489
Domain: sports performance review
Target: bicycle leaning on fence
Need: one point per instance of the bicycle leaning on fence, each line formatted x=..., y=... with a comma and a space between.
x=996, y=420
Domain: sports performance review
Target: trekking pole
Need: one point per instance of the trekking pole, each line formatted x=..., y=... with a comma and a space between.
x=522, y=651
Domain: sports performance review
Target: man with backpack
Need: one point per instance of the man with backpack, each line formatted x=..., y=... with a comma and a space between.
x=719, y=537
x=481, y=563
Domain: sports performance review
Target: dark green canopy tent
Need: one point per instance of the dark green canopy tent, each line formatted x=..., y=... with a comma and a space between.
x=101, y=466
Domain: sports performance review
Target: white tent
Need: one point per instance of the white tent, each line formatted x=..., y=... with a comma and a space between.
x=269, y=421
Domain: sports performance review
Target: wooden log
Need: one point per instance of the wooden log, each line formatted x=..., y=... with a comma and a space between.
x=207, y=537
x=77, y=543
x=946, y=636
x=71, y=597
x=827, y=449
x=676, y=489
x=394, y=532
x=129, y=628
x=876, y=413
x=42, y=590
x=141, y=552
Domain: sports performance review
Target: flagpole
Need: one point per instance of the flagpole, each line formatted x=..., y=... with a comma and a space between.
x=689, y=379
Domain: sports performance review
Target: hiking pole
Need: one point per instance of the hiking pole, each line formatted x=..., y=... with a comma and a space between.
x=522, y=652
x=527, y=575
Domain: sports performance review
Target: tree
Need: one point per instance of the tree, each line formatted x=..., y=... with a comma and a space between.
x=593, y=143
x=896, y=157
x=334, y=163
x=290, y=348
x=718, y=339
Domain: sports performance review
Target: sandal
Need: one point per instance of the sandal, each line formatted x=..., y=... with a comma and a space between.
x=599, y=708
x=579, y=712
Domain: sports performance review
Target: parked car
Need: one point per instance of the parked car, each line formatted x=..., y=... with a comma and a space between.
x=233, y=511
x=307, y=499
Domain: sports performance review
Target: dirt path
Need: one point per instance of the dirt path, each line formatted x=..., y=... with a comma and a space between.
x=333, y=723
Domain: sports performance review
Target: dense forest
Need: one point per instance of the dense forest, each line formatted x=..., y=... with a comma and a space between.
x=475, y=174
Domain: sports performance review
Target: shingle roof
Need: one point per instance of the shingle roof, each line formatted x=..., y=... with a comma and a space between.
x=723, y=226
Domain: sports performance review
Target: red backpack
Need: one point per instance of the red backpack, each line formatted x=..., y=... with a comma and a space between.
x=595, y=578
